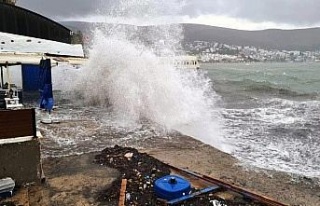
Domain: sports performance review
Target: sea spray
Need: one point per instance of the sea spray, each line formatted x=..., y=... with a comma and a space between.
x=125, y=74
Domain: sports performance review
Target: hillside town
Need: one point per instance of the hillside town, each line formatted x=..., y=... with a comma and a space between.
x=217, y=52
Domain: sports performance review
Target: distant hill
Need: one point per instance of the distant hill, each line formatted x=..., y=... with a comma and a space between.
x=298, y=39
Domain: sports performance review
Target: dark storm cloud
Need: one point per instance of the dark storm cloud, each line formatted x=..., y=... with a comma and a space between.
x=295, y=12
x=62, y=8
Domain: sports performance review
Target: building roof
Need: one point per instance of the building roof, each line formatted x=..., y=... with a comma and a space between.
x=17, y=20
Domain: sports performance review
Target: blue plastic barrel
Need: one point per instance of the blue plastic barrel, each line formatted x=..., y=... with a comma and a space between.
x=171, y=187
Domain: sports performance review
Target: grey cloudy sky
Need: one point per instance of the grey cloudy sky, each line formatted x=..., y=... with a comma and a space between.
x=246, y=14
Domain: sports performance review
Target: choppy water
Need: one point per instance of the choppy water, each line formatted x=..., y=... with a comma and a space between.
x=271, y=113
x=266, y=115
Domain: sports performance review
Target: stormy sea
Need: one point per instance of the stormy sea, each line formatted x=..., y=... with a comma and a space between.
x=266, y=115
x=271, y=113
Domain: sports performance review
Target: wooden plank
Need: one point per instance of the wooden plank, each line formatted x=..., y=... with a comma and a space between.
x=17, y=123
x=249, y=194
x=123, y=189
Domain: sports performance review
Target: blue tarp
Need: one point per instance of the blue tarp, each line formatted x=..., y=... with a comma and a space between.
x=45, y=85
x=30, y=77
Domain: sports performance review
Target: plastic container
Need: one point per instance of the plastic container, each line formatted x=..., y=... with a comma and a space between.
x=6, y=186
x=171, y=187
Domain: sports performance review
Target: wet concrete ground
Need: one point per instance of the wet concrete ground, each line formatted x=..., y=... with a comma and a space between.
x=77, y=180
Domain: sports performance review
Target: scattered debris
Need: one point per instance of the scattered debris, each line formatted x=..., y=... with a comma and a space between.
x=141, y=172
x=129, y=155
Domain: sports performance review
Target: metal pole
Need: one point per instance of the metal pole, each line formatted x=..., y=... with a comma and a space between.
x=8, y=77
x=1, y=71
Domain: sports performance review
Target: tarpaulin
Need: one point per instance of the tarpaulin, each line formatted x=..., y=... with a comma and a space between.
x=45, y=85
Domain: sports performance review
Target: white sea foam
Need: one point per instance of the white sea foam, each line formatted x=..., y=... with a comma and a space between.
x=124, y=73
x=282, y=135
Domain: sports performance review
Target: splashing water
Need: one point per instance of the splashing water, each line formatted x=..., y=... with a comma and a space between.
x=126, y=75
